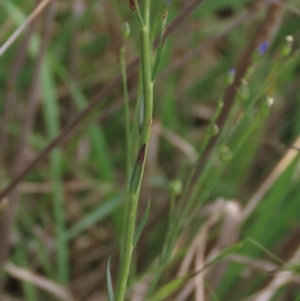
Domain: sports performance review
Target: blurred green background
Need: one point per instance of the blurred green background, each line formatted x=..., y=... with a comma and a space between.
x=70, y=207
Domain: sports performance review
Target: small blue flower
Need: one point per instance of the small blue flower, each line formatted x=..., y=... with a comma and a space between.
x=230, y=77
x=262, y=48
x=168, y=2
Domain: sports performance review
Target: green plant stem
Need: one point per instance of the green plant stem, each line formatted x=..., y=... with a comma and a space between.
x=138, y=13
x=138, y=171
x=126, y=102
x=127, y=130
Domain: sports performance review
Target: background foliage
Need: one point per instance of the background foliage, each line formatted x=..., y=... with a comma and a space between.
x=66, y=216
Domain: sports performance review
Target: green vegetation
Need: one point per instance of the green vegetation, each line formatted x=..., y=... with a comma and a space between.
x=149, y=150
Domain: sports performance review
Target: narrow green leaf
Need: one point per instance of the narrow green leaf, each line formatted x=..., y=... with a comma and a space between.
x=172, y=286
x=126, y=32
x=110, y=289
x=95, y=132
x=15, y=13
x=265, y=250
x=141, y=113
x=142, y=225
x=157, y=21
x=294, y=267
x=169, y=288
x=52, y=124
x=134, y=6
x=29, y=290
x=93, y=217
x=163, y=18
x=136, y=177
x=227, y=251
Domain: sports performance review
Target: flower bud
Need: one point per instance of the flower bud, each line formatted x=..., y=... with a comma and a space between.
x=225, y=154
x=175, y=187
x=260, y=51
x=244, y=91
x=125, y=30
x=213, y=130
x=287, y=46
x=265, y=106
x=229, y=77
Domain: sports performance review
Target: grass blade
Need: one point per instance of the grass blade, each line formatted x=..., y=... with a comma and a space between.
x=110, y=289
x=51, y=113
x=95, y=216
x=169, y=289
x=142, y=225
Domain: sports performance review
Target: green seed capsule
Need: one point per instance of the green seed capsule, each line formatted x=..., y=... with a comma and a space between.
x=287, y=46
x=126, y=31
x=264, y=109
x=225, y=154
x=244, y=91
x=213, y=130
x=175, y=187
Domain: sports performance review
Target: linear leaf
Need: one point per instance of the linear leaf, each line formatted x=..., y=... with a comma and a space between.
x=142, y=225
x=110, y=289
x=169, y=288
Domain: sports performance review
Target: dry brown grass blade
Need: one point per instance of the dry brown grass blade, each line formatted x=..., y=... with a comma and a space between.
x=198, y=242
x=3, y=204
x=178, y=142
x=281, y=166
x=199, y=285
x=10, y=97
x=215, y=212
x=78, y=7
x=280, y=279
x=20, y=29
x=188, y=259
x=11, y=298
x=229, y=235
x=253, y=263
x=46, y=187
x=289, y=7
x=41, y=282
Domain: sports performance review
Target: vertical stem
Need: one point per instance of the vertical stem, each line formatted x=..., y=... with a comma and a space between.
x=126, y=101
x=138, y=171
x=146, y=75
